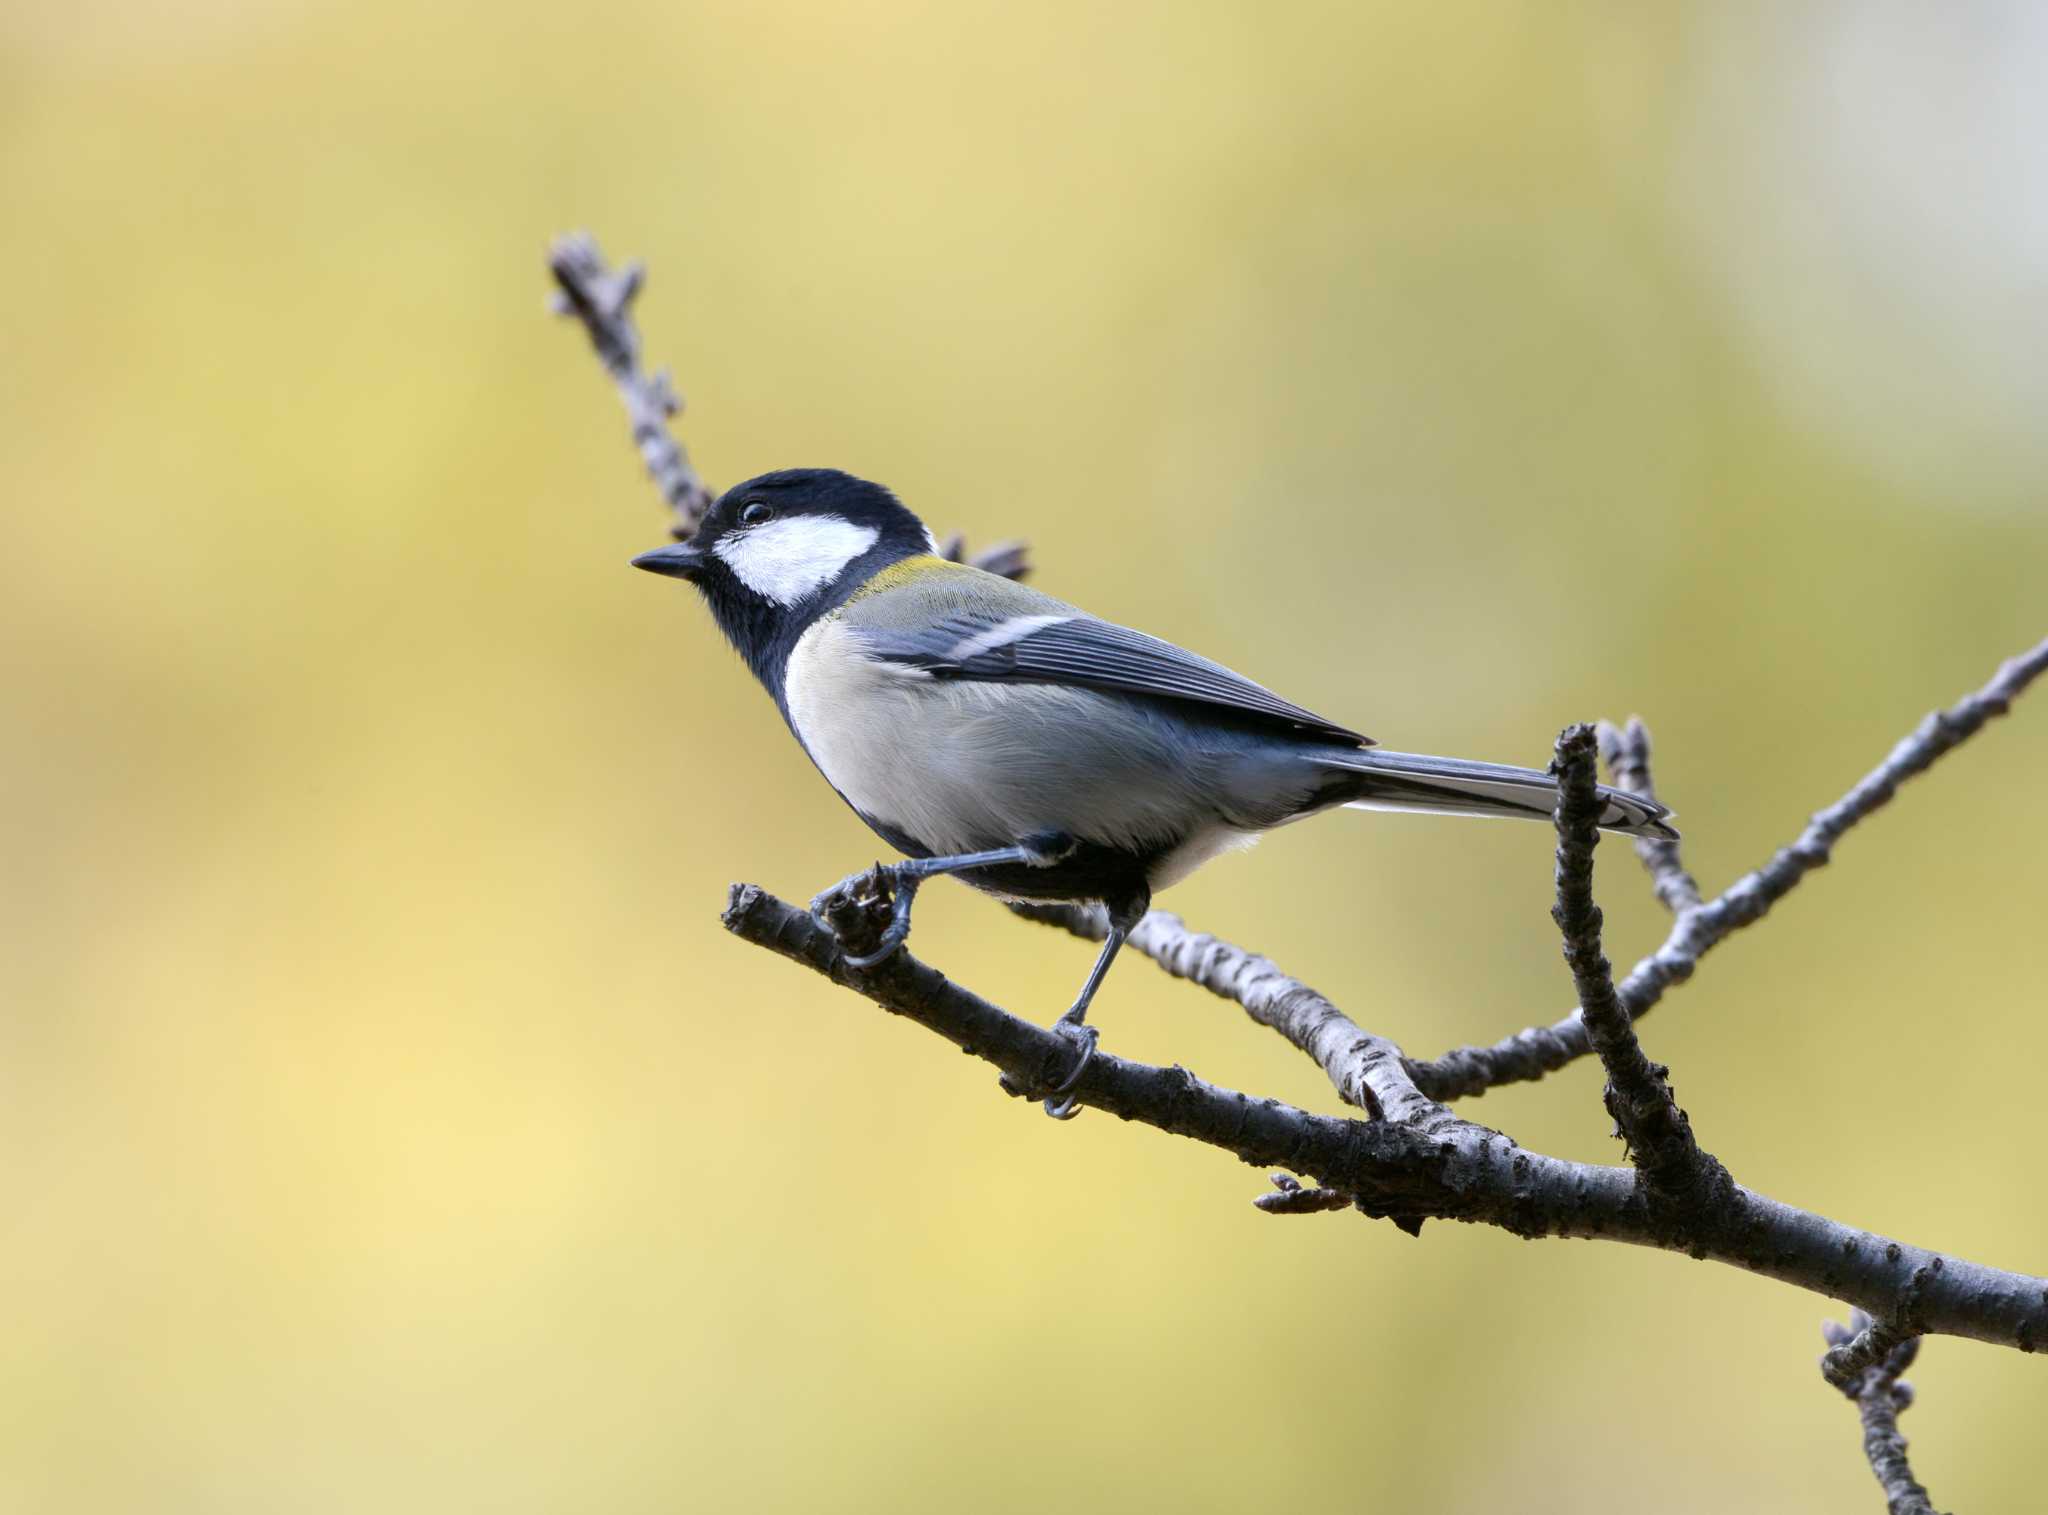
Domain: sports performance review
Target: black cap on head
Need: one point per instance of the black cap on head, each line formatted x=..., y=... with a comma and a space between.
x=813, y=491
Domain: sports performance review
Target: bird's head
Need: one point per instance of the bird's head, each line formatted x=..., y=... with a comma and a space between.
x=778, y=550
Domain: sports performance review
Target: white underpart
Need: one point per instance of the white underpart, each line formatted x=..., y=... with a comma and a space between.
x=786, y=560
x=1001, y=636
x=961, y=765
x=1206, y=844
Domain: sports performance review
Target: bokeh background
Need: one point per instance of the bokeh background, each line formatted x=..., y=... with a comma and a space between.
x=389, y=1125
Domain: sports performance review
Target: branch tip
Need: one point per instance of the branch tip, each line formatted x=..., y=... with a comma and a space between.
x=1626, y=752
x=1289, y=1197
x=601, y=299
x=1864, y=1361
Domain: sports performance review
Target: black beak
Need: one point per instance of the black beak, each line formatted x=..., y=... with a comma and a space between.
x=680, y=561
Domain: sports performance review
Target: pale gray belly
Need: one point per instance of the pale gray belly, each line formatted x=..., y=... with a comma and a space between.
x=961, y=765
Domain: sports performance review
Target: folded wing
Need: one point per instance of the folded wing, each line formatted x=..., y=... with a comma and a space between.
x=1068, y=647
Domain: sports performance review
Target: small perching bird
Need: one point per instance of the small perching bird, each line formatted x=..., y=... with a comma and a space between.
x=1022, y=745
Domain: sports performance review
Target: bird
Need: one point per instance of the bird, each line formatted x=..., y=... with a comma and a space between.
x=990, y=732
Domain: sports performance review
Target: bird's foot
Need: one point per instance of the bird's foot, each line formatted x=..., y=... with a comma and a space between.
x=1061, y=1104
x=868, y=912
x=1059, y=1101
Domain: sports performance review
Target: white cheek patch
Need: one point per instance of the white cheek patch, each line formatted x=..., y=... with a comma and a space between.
x=785, y=560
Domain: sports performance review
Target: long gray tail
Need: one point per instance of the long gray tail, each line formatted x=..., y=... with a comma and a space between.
x=1453, y=786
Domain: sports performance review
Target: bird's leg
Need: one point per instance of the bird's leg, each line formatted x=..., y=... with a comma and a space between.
x=1061, y=1104
x=902, y=879
x=1124, y=916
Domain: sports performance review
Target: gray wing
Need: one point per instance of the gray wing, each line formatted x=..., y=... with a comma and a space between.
x=1064, y=646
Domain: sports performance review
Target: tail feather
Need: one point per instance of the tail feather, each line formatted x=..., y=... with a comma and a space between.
x=1411, y=781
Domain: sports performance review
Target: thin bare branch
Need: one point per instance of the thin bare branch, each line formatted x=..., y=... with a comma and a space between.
x=1532, y=1053
x=1626, y=751
x=1366, y=1070
x=1638, y=1096
x=1864, y=1360
x=601, y=298
x=1010, y=560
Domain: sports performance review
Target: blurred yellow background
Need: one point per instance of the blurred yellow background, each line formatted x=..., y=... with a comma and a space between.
x=389, y=1125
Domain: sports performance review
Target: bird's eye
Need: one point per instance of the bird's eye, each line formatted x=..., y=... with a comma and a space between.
x=756, y=512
